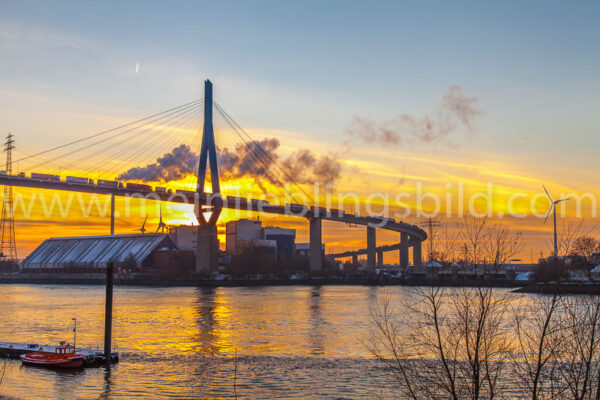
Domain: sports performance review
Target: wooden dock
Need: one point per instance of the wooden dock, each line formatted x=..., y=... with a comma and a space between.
x=93, y=358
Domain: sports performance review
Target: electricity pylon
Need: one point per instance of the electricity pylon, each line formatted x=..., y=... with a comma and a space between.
x=8, y=247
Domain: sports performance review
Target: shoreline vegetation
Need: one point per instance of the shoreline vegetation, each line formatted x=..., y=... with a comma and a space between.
x=480, y=343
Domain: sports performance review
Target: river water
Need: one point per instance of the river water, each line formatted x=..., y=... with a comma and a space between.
x=193, y=343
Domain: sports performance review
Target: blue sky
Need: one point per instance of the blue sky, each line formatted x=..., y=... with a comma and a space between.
x=309, y=67
x=301, y=71
x=322, y=62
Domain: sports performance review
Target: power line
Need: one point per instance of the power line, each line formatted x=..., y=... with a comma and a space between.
x=431, y=224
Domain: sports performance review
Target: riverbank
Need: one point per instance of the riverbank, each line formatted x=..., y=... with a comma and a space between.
x=564, y=288
x=161, y=281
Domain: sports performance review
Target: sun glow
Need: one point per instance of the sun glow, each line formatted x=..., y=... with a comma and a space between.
x=387, y=181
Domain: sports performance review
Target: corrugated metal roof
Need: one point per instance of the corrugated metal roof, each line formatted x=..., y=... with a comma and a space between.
x=94, y=250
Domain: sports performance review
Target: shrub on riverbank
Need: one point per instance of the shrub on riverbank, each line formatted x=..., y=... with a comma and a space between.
x=477, y=343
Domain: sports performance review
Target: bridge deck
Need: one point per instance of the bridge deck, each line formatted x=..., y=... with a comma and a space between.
x=416, y=233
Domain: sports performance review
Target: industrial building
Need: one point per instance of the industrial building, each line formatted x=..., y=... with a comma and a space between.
x=285, y=240
x=303, y=249
x=90, y=254
x=184, y=237
x=266, y=247
x=243, y=233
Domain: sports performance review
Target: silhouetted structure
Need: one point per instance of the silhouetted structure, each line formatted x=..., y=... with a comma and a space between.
x=8, y=247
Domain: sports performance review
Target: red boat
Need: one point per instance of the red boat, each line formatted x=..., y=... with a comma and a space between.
x=64, y=356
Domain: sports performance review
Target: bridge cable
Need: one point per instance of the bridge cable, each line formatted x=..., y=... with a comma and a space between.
x=186, y=124
x=59, y=157
x=121, y=153
x=230, y=143
x=272, y=160
x=252, y=153
x=178, y=120
x=108, y=131
x=231, y=121
x=252, y=146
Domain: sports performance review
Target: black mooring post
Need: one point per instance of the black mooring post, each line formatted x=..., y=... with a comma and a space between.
x=108, y=313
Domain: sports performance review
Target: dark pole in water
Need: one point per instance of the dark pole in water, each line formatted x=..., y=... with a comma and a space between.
x=112, y=214
x=108, y=313
x=74, y=334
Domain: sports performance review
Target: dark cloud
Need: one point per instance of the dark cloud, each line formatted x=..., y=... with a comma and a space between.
x=455, y=112
x=257, y=159
x=244, y=159
x=181, y=161
x=306, y=167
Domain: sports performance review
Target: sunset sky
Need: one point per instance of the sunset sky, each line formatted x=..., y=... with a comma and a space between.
x=368, y=85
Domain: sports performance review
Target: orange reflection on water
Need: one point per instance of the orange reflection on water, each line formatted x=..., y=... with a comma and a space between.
x=187, y=342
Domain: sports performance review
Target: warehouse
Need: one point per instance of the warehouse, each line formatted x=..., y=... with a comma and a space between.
x=90, y=254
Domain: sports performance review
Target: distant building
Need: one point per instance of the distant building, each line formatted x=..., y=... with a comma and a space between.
x=285, y=239
x=595, y=273
x=304, y=249
x=523, y=276
x=90, y=254
x=184, y=237
x=241, y=233
x=551, y=259
x=246, y=233
x=266, y=247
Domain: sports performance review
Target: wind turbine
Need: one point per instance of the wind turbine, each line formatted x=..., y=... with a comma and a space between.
x=143, y=228
x=161, y=224
x=553, y=207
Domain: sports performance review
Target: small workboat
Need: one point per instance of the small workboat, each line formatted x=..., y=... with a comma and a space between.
x=64, y=356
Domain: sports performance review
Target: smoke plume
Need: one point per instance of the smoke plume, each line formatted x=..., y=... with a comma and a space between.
x=306, y=168
x=257, y=159
x=244, y=159
x=181, y=161
x=455, y=112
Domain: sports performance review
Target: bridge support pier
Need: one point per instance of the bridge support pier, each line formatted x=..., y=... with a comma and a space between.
x=354, y=259
x=380, y=259
x=207, y=249
x=316, y=246
x=371, y=244
x=417, y=260
x=403, y=249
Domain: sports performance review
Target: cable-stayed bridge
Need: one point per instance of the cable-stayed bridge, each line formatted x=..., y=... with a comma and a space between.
x=102, y=165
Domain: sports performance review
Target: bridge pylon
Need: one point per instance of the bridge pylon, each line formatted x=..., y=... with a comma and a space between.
x=207, y=244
